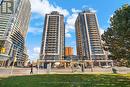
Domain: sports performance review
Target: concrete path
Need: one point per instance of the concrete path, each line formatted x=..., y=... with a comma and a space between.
x=26, y=71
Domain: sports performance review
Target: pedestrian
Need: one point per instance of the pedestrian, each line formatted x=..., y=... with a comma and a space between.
x=31, y=72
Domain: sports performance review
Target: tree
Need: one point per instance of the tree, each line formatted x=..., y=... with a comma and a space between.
x=117, y=36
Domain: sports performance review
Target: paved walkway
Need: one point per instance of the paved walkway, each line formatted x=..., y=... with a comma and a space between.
x=26, y=71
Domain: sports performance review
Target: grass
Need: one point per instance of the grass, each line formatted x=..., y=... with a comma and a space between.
x=67, y=80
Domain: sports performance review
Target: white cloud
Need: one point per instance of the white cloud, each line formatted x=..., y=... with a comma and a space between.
x=75, y=10
x=67, y=35
x=92, y=10
x=36, y=50
x=43, y=7
x=34, y=53
x=35, y=30
x=71, y=19
x=102, y=31
x=70, y=22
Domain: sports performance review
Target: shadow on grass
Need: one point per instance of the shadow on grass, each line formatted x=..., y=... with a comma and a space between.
x=66, y=80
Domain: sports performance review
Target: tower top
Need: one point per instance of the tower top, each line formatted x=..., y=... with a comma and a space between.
x=55, y=13
x=87, y=11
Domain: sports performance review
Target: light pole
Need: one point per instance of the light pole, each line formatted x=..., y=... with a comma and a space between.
x=37, y=66
x=82, y=65
x=91, y=61
x=14, y=60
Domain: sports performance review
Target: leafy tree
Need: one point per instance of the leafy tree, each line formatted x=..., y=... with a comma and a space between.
x=117, y=36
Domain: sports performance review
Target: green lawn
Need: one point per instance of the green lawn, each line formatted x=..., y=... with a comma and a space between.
x=67, y=80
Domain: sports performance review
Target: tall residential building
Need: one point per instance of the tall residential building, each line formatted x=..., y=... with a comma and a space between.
x=14, y=20
x=52, y=47
x=88, y=37
x=68, y=51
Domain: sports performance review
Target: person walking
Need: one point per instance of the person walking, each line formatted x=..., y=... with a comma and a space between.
x=31, y=72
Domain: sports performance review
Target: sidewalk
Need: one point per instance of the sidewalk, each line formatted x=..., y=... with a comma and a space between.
x=26, y=71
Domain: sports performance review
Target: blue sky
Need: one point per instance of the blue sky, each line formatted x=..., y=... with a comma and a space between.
x=69, y=8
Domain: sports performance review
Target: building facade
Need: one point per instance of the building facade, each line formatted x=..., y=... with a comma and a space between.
x=69, y=51
x=14, y=20
x=88, y=37
x=52, y=47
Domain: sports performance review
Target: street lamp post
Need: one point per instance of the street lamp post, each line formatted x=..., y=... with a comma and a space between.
x=91, y=61
x=91, y=66
x=37, y=66
x=14, y=60
x=82, y=65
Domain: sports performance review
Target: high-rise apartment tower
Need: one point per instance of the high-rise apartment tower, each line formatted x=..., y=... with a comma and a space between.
x=88, y=37
x=14, y=20
x=52, y=47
